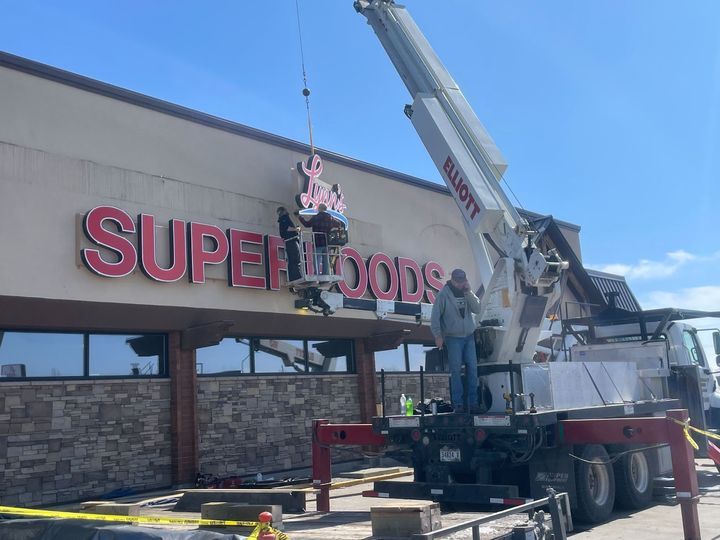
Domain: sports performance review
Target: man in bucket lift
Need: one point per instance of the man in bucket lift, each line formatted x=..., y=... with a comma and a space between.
x=289, y=233
x=321, y=224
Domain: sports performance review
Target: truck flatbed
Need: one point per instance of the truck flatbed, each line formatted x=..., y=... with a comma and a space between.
x=518, y=421
x=491, y=459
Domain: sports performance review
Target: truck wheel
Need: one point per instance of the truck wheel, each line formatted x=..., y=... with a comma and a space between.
x=634, y=476
x=594, y=484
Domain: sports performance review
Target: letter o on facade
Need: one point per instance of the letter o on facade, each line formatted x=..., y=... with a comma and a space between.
x=358, y=291
x=377, y=260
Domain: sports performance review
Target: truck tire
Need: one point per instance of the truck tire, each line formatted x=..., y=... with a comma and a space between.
x=594, y=485
x=633, y=481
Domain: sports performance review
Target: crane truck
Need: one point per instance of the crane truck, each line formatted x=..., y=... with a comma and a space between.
x=511, y=451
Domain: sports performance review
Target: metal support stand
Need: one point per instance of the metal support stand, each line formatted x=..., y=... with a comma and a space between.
x=321, y=468
x=325, y=435
x=686, y=483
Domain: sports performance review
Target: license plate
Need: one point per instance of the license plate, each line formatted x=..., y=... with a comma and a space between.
x=404, y=422
x=489, y=421
x=450, y=454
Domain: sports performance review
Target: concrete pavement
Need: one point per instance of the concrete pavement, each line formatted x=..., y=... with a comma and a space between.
x=350, y=517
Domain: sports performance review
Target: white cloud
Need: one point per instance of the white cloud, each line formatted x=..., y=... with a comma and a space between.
x=648, y=269
x=706, y=298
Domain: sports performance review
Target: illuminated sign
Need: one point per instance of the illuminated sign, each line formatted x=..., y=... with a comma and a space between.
x=317, y=192
x=193, y=247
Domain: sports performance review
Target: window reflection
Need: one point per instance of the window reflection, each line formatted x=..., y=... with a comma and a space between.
x=328, y=356
x=275, y=355
x=693, y=347
x=411, y=356
x=231, y=355
x=132, y=355
x=279, y=355
x=41, y=354
x=417, y=356
x=392, y=360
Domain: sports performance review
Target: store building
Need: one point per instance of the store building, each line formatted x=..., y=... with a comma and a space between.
x=146, y=333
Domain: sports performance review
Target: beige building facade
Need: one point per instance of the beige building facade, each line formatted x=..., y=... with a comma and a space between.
x=141, y=378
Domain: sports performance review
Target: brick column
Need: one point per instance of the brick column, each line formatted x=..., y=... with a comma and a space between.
x=367, y=392
x=183, y=412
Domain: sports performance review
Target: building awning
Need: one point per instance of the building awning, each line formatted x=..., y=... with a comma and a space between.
x=612, y=283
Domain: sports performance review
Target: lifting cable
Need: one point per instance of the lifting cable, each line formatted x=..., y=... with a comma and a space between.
x=305, y=90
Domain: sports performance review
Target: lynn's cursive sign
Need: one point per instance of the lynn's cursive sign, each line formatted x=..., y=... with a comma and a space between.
x=316, y=191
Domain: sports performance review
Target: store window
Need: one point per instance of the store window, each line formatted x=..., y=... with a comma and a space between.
x=230, y=357
x=416, y=353
x=410, y=356
x=39, y=354
x=74, y=354
x=233, y=356
x=132, y=355
x=330, y=356
x=279, y=355
x=392, y=360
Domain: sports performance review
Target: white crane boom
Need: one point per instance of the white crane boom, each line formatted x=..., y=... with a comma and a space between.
x=524, y=282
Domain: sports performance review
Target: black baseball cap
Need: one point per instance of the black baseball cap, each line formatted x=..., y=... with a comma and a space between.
x=458, y=275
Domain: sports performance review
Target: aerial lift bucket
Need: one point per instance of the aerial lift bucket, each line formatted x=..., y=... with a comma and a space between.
x=311, y=276
x=313, y=286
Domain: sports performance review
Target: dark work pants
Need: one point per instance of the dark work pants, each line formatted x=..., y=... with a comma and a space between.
x=292, y=255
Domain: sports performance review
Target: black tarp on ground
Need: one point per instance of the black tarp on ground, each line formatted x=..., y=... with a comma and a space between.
x=76, y=529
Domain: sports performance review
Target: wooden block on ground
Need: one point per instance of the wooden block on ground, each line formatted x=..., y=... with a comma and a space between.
x=241, y=512
x=366, y=473
x=219, y=510
x=115, y=509
x=402, y=521
x=291, y=500
x=212, y=510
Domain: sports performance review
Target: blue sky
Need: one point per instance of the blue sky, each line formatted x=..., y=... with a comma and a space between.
x=608, y=112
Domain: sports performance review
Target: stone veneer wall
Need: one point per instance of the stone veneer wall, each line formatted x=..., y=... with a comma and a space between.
x=77, y=440
x=397, y=383
x=260, y=424
x=264, y=423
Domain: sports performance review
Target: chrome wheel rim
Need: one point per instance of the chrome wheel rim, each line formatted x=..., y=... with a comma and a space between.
x=599, y=483
x=639, y=471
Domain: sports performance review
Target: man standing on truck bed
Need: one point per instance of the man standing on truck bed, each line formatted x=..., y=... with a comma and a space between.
x=453, y=325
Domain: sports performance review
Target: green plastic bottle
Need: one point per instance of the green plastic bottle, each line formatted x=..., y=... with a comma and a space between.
x=409, y=411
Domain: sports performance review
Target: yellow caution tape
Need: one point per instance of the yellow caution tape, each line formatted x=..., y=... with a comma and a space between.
x=687, y=428
x=263, y=527
x=124, y=519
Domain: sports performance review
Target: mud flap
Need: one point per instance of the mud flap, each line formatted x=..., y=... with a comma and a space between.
x=552, y=468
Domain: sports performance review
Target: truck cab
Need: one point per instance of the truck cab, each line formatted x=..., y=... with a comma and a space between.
x=686, y=350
